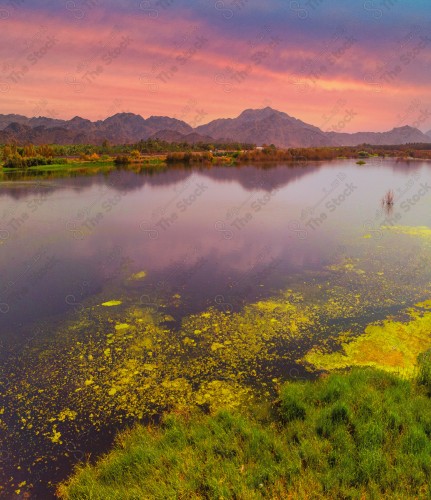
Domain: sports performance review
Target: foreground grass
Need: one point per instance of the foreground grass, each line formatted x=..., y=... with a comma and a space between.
x=361, y=434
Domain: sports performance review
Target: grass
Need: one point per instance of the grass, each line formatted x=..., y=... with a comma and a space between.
x=89, y=166
x=62, y=166
x=73, y=165
x=358, y=434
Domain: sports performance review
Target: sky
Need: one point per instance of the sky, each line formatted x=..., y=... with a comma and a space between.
x=348, y=66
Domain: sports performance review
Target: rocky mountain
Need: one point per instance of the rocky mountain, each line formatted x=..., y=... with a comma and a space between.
x=6, y=120
x=257, y=126
x=24, y=134
x=398, y=135
x=428, y=133
x=269, y=126
x=265, y=126
x=120, y=128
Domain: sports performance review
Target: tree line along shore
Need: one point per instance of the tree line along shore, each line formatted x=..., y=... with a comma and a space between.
x=161, y=153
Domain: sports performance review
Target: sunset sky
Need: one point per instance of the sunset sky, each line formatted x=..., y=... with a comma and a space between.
x=339, y=64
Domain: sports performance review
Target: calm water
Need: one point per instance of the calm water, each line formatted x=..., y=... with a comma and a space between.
x=219, y=237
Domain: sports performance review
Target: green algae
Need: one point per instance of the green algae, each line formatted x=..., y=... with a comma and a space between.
x=426, y=304
x=129, y=365
x=112, y=303
x=421, y=231
x=121, y=326
x=390, y=345
x=219, y=394
x=138, y=276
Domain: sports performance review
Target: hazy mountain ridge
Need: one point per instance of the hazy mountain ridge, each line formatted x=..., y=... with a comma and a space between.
x=258, y=126
x=119, y=128
x=398, y=135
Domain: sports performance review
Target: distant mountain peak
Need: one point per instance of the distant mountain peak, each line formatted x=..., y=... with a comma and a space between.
x=404, y=128
x=261, y=113
x=124, y=114
x=79, y=119
x=266, y=126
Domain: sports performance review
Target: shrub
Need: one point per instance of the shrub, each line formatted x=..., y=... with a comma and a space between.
x=122, y=160
x=17, y=161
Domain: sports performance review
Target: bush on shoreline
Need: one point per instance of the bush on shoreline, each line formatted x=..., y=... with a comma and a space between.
x=189, y=158
x=17, y=161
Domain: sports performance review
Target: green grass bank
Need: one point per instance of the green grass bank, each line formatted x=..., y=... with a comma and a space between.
x=357, y=434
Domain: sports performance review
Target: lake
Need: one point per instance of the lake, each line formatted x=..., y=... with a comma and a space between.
x=126, y=294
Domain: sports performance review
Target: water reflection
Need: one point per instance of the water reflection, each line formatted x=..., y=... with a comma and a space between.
x=207, y=232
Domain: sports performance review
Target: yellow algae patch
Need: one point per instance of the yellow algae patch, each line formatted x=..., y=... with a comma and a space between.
x=348, y=265
x=234, y=345
x=122, y=326
x=143, y=367
x=426, y=304
x=219, y=395
x=391, y=346
x=112, y=303
x=149, y=367
x=421, y=231
x=56, y=435
x=67, y=415
x=138, y=276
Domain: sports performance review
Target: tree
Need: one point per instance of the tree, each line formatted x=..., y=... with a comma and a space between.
x=46, y=150
x=29, y=151
x=106, y=147
x=7, y=152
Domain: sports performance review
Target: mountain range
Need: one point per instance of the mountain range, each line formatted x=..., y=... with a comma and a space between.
x=257, y=126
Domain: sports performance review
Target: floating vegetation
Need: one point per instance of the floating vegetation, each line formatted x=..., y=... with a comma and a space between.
x=218, y=394
x=421, y=231
x=112, y=303
x=138, y=276
x=390, y=345
x=128, y=365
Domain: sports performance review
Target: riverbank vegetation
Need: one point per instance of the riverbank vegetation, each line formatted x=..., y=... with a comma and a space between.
x=358, y=434
x=161, y=153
